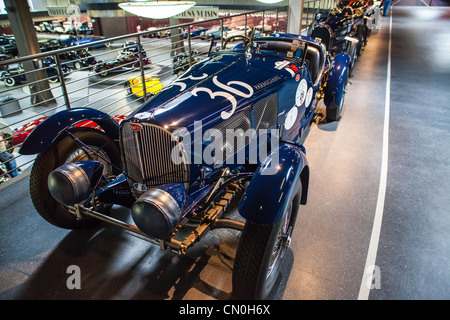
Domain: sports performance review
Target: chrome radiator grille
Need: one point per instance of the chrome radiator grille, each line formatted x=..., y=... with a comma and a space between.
x=147, y=155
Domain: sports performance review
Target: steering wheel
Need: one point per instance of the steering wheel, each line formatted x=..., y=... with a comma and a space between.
x=234, y=37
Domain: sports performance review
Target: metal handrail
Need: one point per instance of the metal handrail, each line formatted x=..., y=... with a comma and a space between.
x=137, y=34
x=66, y=97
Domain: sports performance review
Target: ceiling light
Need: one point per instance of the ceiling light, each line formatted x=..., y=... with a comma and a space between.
x=269, y=1
x=156, y=9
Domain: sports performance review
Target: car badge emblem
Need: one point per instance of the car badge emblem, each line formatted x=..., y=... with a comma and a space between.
x=135, y=126
x=297, y=77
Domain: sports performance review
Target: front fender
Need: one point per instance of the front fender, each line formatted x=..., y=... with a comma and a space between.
x=282, y=174
x=337, y=78
x=44, y=134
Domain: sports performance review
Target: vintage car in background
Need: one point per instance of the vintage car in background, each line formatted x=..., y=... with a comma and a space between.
x=155, y=34
x=343, y=29
x=16, y=75
x=75, y=41
x=242, y=31
x=195, y=32
x=130, y=46
x=181, y=61
x=214, y=33
x=19, y=135
x=4, y=57
x=8, y=46
x=231, y=126
x=371, y=10
x=152, y=85
x=51, y=44
x=125, y=61
x=77, y=59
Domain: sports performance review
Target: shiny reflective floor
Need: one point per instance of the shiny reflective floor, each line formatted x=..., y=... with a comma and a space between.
x=332, y=238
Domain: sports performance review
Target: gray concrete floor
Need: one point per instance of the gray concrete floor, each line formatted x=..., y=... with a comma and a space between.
x=331, y=238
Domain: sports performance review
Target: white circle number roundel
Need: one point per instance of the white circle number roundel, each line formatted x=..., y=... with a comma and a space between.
x=291, y=116
x=300, y=95
x=309, y=97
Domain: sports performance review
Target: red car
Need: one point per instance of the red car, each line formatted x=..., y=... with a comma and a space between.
x=20, y=134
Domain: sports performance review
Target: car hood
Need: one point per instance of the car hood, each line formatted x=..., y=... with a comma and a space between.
x=216, y=88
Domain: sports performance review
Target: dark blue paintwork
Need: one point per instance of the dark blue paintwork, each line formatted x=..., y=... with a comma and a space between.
x=43, y=135
x=180, y=105
x=177, y=191
x=93, y=170
x=337, y=78
x=265, y=200
x=229, y=84
x=74, y=41
x=335, y=27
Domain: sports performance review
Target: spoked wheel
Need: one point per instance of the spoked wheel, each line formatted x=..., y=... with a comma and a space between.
x=66, y=150
x=260, y=254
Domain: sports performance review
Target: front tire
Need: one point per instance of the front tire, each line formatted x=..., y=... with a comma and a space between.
x=10, y=82
x=63, y=151
x=103, y=72
x=53, y=80
x=260, y=254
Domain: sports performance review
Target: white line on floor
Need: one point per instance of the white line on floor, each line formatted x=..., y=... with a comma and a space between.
x=369, y=268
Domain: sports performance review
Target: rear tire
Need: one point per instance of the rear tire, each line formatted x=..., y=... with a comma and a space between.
x=128, y=87
x=353, y=57
x=334, y=114
x=360, y=37
x=103, y=72
x=62, y=151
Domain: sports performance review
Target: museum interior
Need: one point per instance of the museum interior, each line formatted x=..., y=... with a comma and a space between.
x=224, y=150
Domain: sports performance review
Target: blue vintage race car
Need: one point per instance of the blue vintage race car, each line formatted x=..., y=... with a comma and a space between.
x=75, y=41
x=231, y=125
x=343, y=29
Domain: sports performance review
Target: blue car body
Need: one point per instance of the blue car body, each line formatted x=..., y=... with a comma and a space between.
x=341, y=30
x=272, y=89
x=179, y=163
x=75, y=41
